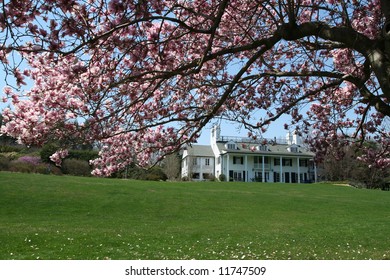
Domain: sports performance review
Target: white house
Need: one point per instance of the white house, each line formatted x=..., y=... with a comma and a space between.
x=198, y=163
x=247, y=160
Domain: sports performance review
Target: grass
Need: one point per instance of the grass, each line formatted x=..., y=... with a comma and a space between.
x=49, y=217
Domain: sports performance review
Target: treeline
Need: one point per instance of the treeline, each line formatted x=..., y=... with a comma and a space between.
x=342, y=164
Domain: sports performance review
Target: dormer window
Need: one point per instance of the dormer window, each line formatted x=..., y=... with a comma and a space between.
x=263, y=148
x=231, y=146
x=293, y=149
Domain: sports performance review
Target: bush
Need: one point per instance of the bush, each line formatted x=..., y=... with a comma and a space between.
x=137, y=173
x=76, y=167
x=30, y=160
x=222, y=177
x=9, y=149
x=85, y=155
x=45, y=168
x=209, y=177
x=47, y=151
x=4, y=163
x=19, y=166
x=10, y=155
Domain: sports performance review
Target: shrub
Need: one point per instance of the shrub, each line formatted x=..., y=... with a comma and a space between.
x=45, y=168
x=209, y=177
x=19, y=166
x=30, y=160
x=47, y=151
x=10, y=155
x=222, y=177
x=76, y=167
x=85, y=155
x=4, y=163
x=9, y=149
x=137, y=173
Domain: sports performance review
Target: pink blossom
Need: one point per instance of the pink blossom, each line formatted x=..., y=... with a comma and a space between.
x=141, y=80
x=58, y=156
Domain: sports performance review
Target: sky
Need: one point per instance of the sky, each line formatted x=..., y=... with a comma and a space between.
x=276, y=129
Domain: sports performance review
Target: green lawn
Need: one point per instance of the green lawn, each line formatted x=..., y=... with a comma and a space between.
x=50, y=217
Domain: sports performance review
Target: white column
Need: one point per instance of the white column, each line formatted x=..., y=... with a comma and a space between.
x=281, y=170
x=227, y=169
x=263, y=170
x=201, y=169
x=299, y=171
x=246, y=169
x=315, y=172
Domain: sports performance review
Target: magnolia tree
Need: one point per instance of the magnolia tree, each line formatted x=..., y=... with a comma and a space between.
x=142, y=78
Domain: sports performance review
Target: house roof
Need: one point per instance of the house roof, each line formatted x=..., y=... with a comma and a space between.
x=270, y=149
x=200, y=151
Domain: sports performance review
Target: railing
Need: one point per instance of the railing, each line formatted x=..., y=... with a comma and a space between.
x=260, y=166
x=249, y=140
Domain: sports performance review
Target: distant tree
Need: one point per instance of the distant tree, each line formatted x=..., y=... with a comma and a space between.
x=171, y=166
x=345, y=165
x=142, y=78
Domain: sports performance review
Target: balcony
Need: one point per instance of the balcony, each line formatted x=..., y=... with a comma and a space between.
x=260, y=166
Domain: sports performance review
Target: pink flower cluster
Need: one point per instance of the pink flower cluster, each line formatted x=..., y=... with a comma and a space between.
x=142, y=78
x=58, y=156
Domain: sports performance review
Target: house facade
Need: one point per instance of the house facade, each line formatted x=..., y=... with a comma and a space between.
x=198, y=163
x=243, y=159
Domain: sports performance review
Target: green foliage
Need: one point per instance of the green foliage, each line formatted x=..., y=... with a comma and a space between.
x=85, y=155
x=76, y=163
x=48, y=169
x=20, y=166
x=50, y=217
x=24, y=165
x=4, y=163
x=137, y=173
x=10, y=155
x=47, y=151
x=9, y=149
x=344, y=166
x=76, y=167
x=222, y=177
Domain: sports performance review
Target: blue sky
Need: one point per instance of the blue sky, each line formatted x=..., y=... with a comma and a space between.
x=276, y=129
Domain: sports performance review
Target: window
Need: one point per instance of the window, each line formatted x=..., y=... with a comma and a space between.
x=231, y=146
x=294, y=149
x=207, y=161
x=276, y=161
x=237, y=176
x=260, y=160
x=194, y=161
x=303, y=162
x=259, y=176
x=287, y=162
x=262, y=148
x=276, y=177
x=238, y=160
